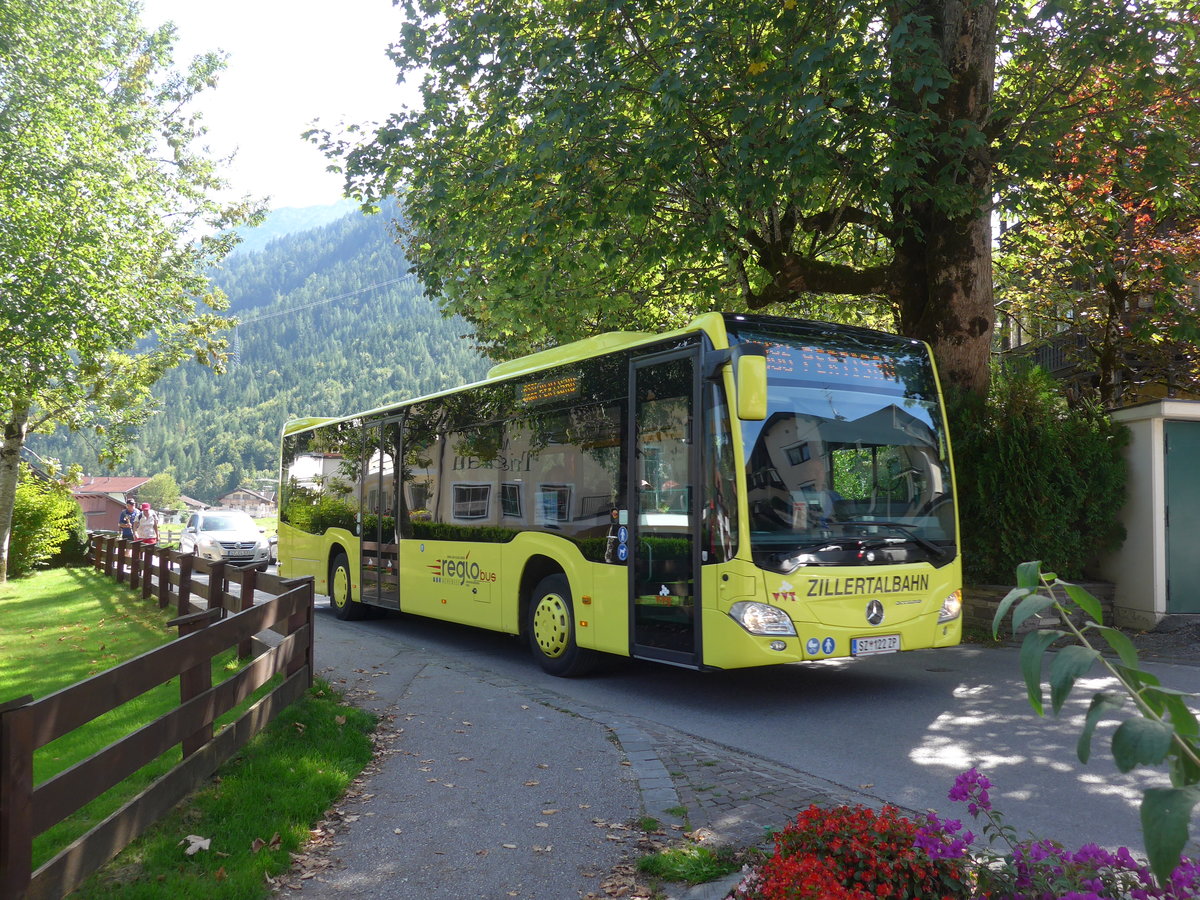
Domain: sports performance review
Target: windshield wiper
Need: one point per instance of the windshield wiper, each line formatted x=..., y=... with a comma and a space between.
x=905, y=530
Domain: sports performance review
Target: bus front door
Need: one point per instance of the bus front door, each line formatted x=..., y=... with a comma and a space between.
x=664, y=574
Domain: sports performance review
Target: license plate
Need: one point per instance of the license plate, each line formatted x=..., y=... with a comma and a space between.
x=880, y=643
x=241, y=554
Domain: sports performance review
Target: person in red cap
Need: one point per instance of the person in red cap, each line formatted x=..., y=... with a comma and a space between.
x=147, y=525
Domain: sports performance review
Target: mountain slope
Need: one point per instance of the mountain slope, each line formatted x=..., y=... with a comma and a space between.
x=331, y=323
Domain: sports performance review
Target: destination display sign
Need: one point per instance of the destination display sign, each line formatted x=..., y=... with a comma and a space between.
x=545, y=391
x=809, y=362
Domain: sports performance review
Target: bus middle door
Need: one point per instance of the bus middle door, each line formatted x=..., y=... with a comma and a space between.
x=665, y=574
x=379, y=570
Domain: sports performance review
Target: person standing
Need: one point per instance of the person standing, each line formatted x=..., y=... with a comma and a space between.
x=147, y=525
x=127, y=520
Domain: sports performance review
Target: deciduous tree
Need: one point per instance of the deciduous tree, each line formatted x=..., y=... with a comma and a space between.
x=161, y=491
x=1111, y=259
x=103, y=191
x=588, y=164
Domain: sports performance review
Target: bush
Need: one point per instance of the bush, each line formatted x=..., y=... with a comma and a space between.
x=73, y=551
x=1036, y=478
x=45, y=516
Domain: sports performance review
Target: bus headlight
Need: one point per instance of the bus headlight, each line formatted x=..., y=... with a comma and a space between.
x=760, y=618
x=951, y=608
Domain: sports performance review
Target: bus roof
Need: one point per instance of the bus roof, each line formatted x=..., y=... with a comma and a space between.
x=713, y=324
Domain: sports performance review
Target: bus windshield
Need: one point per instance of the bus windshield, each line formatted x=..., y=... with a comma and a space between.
x=850, y=466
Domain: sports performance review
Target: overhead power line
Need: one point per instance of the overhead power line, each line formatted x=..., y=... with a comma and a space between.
x=296, y=309
x=235, y=352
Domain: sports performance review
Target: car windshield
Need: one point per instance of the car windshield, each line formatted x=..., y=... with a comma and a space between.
x=850, y=466
x=231, y=521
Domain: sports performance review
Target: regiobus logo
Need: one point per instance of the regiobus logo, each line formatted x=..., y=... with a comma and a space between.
x=459, y=570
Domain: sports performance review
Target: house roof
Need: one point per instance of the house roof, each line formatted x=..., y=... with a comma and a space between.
x=253, y=493
x=118, y=484
x=192, y=502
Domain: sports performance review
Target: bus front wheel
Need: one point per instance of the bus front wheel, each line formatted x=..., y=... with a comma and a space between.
x=551, y=629
x=340, y=598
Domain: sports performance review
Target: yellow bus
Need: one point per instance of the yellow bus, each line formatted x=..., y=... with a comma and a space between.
x=744, y=491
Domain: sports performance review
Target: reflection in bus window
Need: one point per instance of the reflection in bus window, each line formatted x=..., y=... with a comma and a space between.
x=850, y=451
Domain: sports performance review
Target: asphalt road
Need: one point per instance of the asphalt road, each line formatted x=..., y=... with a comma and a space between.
x=894, y=728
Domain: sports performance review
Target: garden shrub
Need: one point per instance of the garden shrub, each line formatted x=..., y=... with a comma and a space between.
x=1036, y=478
x=73, y=551
x=44, y=517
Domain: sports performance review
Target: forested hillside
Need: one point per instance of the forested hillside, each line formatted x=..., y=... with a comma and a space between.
x=331, y=323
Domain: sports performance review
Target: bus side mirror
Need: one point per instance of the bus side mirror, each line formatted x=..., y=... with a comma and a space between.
x=752, y=387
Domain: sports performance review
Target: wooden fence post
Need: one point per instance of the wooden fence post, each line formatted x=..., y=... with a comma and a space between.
x=147, y=569
x=185, y=585
x=109, y=544
x=295, y=622
x=216, y=586
x=135, y=564
x=196, y=680
x=16, y=796
x=249, y=578
x=122, y=559
x=164, y=578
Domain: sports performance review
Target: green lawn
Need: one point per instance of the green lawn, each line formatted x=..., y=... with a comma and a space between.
x=62, y=626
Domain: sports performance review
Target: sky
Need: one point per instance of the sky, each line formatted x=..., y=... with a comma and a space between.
x=289, y=63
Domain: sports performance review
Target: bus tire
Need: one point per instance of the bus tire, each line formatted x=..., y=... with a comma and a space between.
x=341, y=597
x=551, y=628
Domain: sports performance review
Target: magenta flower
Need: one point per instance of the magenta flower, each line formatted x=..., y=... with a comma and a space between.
x=972, y=787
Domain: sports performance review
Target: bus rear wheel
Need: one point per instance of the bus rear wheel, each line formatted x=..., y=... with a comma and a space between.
x=340, y=595
x=551, y=628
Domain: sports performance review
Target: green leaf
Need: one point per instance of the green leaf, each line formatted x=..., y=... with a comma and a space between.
x=1032, y=649
x=1029, y=575
x=1069, y=663
x=1084, y=601
x=1166, y=815
x=1029, y=607
x=1119, y=642
x=1141, y=742
x=1101, y=703
x=1002, y=610
x=1182, y=718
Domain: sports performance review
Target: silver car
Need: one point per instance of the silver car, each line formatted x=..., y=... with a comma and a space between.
x=225, y=534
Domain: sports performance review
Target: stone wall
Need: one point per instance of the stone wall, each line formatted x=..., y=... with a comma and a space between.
x=981, y=601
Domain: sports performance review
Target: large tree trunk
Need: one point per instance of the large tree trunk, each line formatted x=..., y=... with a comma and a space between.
x=946, y=300
x=15, y=430
x=943, y=292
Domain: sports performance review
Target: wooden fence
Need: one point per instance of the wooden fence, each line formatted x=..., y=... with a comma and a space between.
x=224, y=620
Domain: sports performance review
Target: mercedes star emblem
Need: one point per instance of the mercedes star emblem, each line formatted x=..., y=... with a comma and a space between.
x=874, y=612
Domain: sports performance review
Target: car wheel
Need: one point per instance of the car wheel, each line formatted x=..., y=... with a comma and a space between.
x=340, y=595
x=551, y=628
